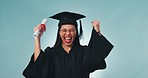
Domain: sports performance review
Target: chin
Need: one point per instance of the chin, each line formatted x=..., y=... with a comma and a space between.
x=67, y=44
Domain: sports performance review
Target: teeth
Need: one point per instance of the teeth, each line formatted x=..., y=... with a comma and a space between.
x=67, y=38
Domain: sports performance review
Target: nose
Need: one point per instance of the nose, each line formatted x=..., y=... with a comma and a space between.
x=68, y=33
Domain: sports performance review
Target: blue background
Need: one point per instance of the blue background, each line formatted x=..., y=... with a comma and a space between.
x=123, y=22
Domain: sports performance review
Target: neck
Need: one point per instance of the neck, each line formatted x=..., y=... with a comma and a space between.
x=67, y=48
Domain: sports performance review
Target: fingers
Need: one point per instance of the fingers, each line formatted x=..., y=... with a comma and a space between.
x=38, y=27
x=95, y=23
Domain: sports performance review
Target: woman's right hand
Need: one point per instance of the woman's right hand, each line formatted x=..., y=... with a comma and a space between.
x=40, y=29
x=37, y=45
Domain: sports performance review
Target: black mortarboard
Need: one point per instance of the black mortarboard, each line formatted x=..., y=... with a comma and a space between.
x=68, y=18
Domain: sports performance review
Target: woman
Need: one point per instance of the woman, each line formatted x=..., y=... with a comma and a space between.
x=69, y=59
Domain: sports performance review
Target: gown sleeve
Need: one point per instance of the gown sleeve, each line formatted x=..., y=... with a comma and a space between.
x=38, y=68
x=96, y=52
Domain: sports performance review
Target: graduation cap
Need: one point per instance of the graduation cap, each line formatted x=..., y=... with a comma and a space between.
x=68, y=18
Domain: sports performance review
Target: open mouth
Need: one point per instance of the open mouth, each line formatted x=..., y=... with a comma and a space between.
x=68, y=40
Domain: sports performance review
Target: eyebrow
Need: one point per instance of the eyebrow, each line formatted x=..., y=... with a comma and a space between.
x=66, y=29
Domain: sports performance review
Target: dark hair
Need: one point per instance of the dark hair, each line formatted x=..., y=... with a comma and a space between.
x=59, y=41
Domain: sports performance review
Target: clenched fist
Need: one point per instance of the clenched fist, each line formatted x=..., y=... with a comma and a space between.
x=96, y=25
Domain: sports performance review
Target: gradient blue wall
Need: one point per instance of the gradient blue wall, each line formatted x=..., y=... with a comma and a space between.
x=123, y=22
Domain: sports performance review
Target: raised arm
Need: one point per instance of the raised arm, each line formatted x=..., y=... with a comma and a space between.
x=37, y=44
x=97, y=50
x=38, y=64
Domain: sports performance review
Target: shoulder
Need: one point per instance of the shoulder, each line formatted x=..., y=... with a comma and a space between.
x=52, y=50
x=82, y=47
x=49, y=51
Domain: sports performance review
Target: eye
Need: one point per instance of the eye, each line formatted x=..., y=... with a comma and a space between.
x=72, y=30
x=63, y=30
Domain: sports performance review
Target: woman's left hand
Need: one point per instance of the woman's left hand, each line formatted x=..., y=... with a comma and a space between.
x=96, y=25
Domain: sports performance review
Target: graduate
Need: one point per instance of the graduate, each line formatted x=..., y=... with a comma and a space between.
x=67, y=58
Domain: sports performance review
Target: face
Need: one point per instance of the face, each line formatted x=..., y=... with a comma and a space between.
x=67, y=34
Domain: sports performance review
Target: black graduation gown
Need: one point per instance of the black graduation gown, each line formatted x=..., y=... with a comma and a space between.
x=79, y=63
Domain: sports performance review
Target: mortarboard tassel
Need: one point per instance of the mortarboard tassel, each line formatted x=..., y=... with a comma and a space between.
x=81, y=31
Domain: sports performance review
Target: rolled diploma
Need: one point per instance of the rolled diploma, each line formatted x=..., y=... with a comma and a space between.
x=37, y=32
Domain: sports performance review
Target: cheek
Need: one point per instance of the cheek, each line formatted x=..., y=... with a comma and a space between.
x=61, y=36
x=74, y=35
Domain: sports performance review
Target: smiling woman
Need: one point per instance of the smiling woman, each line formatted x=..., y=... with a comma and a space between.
x=67, y=35
x=69, y=59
